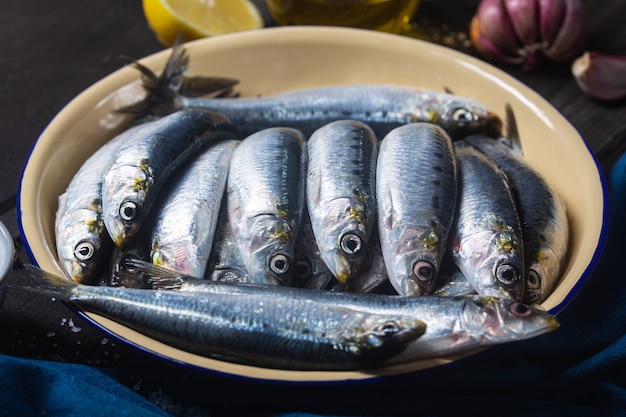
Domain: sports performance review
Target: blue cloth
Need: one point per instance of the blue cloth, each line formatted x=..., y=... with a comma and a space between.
x=579, y=370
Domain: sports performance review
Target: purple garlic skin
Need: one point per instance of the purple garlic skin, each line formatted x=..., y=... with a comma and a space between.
x=601, y=76
x=529, y=32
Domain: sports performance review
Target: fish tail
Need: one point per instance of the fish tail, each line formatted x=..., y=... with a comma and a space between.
x=49, y=284
x=164, y=91
x=153, y=276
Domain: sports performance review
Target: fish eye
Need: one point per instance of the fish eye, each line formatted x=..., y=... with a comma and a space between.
x=388, y=328
x=303, y=269
x=279, y=264
x=351, y=244
x=519, y=309
x=462, y=115
x=506, y=273
x=533, y=280
x=129, y=210
x=424, y=271
x=84, y=251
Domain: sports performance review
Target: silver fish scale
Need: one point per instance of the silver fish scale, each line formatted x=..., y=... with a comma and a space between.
x=343, y=155
x=416, y=192
x=266, y=173
x=488, y=228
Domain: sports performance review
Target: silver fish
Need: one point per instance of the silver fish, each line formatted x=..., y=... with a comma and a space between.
x=393, y=106
x=142, y=164
x=186, y=219
x=250, y=329
x=383, y=107
x=265, y=199
x=416, y=191
x=81, y=237
x=340, y=194
x=453, y=324
x=543, y=216
x=487, y=244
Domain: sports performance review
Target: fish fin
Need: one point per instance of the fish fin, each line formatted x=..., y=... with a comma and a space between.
x=49, y=284
x=512, y=138
x=164, y=91
x=200, y=86
x=155, y=277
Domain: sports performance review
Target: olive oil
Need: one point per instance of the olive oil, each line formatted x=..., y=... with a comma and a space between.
x=384, y=15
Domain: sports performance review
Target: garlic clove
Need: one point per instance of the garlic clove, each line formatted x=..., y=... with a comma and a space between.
x=551, y=15
x=523, y=17
x=487, y=48
x=601, y=76
x=492, y=22
x=570, y=40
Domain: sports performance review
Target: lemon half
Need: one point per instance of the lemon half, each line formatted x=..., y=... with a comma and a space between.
x=195, y=19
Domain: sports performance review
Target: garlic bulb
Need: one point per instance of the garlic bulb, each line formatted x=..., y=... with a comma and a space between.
x=527, y=32
x=601, y=76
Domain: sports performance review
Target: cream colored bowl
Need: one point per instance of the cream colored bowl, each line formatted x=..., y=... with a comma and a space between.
x=280, y=59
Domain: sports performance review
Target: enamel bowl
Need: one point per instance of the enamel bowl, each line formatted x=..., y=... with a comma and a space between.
x=280, y=59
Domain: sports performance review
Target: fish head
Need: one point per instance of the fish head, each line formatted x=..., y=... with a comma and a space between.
x=124, y=197
x=80, y=245
x=268, y=249
x=496, y=320
x=228, y=274
x=413, y=260
x=492, y=261
x=541, y=275
x=122, y=272
x=343, y=238
x=378, y=336
x=461, y=117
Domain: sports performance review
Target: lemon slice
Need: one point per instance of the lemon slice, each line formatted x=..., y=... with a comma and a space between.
x=195, y=19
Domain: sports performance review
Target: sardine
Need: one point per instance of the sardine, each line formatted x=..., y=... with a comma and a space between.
x=81, y=238
x=340, y=194
x=297, y=334
x=265, y=199
x=142, y=164
x=383, y=107
x=487, y=244
x=543, y=216
x=416, y=188
x=186, y=218
x=453, y=324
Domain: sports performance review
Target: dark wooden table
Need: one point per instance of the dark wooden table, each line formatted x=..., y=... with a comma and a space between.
x=51, y=51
